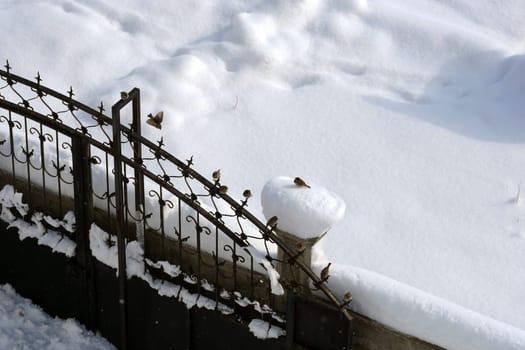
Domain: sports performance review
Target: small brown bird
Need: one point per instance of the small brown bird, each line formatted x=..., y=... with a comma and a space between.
x=272, y=221
x=300, y=182
x=216, y=175
x=156, y=120
x=223, y=189
x=325, y=272
x=124, y=95
x=247, y=194
x=301, y=247
x=347, y=298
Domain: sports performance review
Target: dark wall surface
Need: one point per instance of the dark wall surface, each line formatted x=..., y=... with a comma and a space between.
x=54, y=282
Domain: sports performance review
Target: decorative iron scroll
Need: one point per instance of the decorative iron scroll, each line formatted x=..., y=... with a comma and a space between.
x=164, y=198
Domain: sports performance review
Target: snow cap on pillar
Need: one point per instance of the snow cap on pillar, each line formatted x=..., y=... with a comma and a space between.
x=305, y=212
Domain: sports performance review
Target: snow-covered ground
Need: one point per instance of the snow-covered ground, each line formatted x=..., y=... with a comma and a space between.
x=411, y=111
x=24, y=326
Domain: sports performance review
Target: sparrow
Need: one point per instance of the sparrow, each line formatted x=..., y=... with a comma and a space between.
x=124, y=95
x=216, y=175
x=325, y=272
x=272, y=221
x=247, y=194
x=347, y=298
x=156, y=120
x=300, y=182
x=301, y=247
x=223, y=189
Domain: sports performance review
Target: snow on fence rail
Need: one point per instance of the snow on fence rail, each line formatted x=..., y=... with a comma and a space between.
x=67, y=156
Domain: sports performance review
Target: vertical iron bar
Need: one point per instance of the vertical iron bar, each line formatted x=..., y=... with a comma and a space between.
x=121, y=241
x=11, y=141
x=82, y=183
x=216, y=267
x=290, y=321
x=42, y=163
x=252, y=289
x=180, y=233
x=137, y=156
x=162, y=231
x=28, y=164
x=234, y=265
x=108, y=200
x=59, y=176
x=198, y=254
x=126, y=200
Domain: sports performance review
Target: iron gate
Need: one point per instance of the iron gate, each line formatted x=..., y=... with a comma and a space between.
x=79, y=159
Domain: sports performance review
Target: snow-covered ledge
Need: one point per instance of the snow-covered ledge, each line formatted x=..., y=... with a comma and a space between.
x=303, y=213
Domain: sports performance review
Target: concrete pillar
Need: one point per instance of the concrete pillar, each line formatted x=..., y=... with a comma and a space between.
x=292, y=277
x=302, y=214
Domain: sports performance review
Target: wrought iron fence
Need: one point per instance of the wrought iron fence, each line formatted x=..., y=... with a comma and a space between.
x=66, y=156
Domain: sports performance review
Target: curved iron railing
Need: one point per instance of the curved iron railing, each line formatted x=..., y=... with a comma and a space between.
x=160, y=197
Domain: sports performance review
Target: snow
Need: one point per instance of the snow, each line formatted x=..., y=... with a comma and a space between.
x=275, y=287
x=104, y=249
x=107, y=253
x=264, y=330
x=25, y=326
x=415, y=312
x=103, y=246
x=12, y=200
x=302, y=211
x=411, y=111
x=9, y=198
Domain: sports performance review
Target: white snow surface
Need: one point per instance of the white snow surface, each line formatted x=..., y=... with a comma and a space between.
x=12, y=200
x=411, y=111
x=107, y=253
x=416, y=312
x=302, y=211
x=264, y=330
x=24, y=326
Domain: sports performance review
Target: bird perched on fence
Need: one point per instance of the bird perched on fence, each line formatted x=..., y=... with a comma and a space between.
x=124, y=95
x=301, y=247
x=156, y=120
x=300, y=182
x=325, y=272
x=216, y=175
x=347, y=298
x=272, y=221
x=223, y=189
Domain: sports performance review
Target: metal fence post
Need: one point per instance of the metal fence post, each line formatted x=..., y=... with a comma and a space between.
x=84, y=218
x=137, y=156
x=121, y=239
